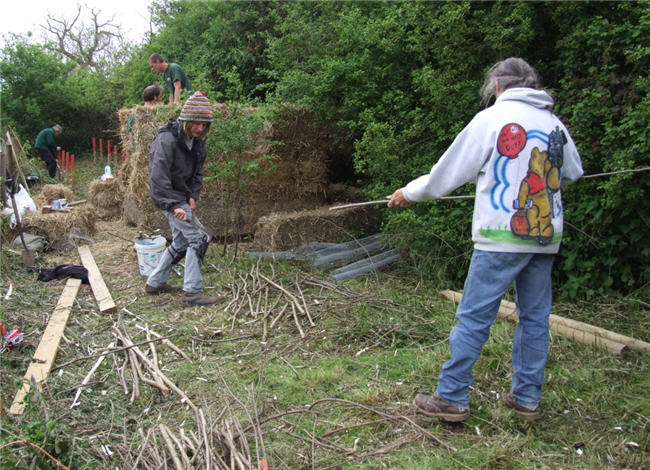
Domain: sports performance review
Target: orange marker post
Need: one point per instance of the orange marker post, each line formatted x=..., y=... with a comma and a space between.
x=101, y=150
x=72, y=168
x=108, y=150
x=94, y=151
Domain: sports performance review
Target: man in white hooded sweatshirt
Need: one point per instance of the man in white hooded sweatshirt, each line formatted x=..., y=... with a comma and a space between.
x=519, y=154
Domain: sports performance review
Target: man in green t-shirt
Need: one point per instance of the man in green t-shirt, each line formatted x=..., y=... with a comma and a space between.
x=46, y=147
x=174, y=77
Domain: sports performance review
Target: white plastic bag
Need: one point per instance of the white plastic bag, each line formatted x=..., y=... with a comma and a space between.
x=24, y=203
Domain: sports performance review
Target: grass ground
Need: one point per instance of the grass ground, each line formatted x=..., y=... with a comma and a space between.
x=339, y=397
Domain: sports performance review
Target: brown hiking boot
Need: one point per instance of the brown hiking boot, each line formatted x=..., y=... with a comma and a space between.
x=164, y=289
x=436, y=407
x=199, y=298
x=525, y=413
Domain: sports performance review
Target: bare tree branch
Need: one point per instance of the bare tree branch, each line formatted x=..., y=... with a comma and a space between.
x=88, y=45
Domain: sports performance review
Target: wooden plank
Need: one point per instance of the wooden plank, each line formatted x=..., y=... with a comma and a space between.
x=40, y=367
x=100, y=291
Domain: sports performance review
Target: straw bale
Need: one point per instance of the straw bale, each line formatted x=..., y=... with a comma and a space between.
x=106, y=198
x=60, y=228
x=212, y=213
x=286, y=230
x=50, y=192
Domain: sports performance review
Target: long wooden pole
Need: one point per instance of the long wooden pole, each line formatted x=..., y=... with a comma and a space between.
x=572, y=329
x=385, y=201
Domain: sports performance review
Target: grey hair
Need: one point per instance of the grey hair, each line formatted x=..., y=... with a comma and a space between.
x=510, y=73
x=57, y=128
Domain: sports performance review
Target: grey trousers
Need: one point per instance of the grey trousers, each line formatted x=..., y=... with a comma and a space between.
x=185, y=238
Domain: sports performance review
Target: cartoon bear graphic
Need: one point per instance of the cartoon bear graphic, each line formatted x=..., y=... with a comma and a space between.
x=533, y=218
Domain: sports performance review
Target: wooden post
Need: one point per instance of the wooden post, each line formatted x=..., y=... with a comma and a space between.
x=14, y=164
x=3, y=175
x=44, y=356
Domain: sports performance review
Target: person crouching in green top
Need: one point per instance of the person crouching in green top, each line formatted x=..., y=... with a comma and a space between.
x=47, y=148
x=174, y=77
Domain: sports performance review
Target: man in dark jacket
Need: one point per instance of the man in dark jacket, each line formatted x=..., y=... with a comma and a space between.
x=175, y=180
x=46, y=147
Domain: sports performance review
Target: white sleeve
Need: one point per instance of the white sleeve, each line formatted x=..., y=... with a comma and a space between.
x=572, y=165
x=460, y=164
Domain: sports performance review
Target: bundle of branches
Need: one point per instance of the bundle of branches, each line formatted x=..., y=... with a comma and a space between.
x=220, y=445
x=144, y=367
x=258, y=297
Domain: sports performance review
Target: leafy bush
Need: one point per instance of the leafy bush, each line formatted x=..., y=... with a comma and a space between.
x=405, y=78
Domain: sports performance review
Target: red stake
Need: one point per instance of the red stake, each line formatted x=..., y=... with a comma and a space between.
x=94, y=151
x=101, y=150
x=123, y=157
x=108, y=143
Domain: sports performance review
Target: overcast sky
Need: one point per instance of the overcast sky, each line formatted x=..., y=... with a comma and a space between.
x=21, y=16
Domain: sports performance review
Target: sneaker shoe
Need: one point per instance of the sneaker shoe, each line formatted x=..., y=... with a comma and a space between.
x=199, y=298
x=436, y=407
x=164, y=289
x=525, y=413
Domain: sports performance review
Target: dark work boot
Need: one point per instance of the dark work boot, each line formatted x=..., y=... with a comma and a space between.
x=525, y=413
x=199, y=298
x=164, y=289
x=434, y=406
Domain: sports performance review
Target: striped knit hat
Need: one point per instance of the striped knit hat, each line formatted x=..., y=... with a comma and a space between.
x=197, y=108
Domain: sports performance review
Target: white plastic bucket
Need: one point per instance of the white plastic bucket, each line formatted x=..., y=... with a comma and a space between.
x=149, y=251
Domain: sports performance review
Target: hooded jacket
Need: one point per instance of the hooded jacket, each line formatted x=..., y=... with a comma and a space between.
x=517, y=152
x=175, y=171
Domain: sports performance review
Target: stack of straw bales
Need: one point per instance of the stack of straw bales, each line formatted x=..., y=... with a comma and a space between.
x=298, y=180
x=133, y=179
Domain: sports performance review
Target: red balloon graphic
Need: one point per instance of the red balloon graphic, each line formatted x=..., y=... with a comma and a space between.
x=512, y=139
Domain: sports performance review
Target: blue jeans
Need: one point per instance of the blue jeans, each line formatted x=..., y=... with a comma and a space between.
x=186, y=238
x=489, y=277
